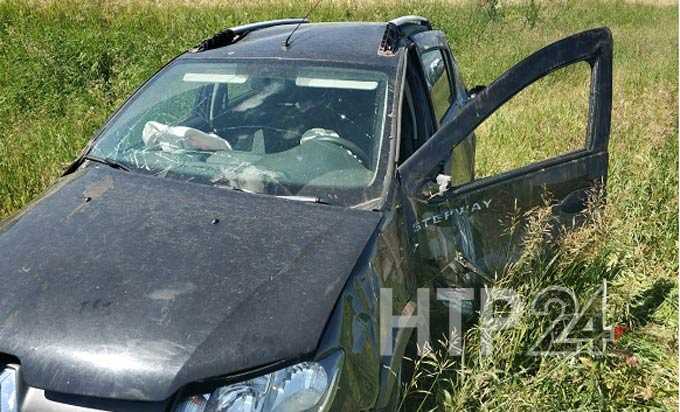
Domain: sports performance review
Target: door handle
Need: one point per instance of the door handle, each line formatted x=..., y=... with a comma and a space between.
x=574, y=202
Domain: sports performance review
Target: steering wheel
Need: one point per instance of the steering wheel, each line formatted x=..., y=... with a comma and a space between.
x=354, y=149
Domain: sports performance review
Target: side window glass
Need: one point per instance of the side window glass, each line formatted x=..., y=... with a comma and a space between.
x=543, y=121
x=463, y=162
x=437, y=79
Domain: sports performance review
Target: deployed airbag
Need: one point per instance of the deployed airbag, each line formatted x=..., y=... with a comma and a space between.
x=174, y=138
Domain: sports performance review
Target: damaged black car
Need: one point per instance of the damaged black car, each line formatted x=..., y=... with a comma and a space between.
x=222, y=243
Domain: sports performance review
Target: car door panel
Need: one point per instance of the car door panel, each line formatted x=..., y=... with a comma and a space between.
x=481, y=226
x=472, y=231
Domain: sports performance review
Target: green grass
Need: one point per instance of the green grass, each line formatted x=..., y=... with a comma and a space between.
x=65, y=66
x=545, y=120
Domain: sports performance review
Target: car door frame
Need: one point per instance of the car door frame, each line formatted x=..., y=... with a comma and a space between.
x=592, y=46
x=426, y=42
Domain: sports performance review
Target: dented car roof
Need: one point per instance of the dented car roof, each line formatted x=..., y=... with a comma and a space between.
x=338, y=42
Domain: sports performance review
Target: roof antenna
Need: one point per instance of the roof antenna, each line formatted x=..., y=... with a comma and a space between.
x=286, y=43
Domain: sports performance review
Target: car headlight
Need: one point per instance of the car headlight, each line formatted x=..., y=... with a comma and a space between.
x=303, y=387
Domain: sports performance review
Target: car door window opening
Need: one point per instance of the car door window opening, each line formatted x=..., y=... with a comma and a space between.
x=527, y=130
x=594, y=48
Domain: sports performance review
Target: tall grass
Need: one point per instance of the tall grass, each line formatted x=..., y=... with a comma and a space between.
x=637, y=370
x=65, y=66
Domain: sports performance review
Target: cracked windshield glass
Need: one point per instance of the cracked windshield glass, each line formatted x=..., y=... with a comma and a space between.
x=274, y=128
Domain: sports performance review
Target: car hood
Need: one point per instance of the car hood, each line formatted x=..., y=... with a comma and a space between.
x=119, y=285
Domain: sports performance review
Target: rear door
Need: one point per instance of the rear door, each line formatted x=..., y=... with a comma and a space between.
x=470, y=231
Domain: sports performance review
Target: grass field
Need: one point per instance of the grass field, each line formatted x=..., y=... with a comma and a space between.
x=65, y=66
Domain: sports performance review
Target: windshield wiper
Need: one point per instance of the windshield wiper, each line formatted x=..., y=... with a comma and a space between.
x=109, y=162
x=308, y=199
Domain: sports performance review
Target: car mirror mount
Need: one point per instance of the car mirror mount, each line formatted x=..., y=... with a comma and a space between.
x=435, y=188
x=476, y=90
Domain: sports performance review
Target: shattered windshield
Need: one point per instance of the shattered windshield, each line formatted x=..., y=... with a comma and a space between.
x=278, y=128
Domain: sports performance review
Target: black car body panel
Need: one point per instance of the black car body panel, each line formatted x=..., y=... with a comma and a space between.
x=191, y=284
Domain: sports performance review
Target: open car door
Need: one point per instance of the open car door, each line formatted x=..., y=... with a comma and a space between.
x=467, y=232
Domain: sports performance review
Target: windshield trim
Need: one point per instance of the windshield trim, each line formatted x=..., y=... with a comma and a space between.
x=382, y=137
